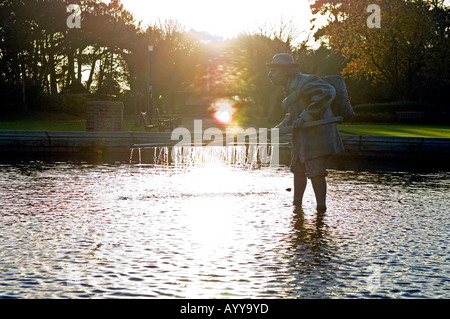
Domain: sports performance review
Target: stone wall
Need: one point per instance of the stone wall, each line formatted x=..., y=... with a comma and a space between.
x=360, y=151
x=104, y=116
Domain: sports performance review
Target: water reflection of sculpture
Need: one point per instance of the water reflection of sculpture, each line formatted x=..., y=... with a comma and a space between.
x=310, y=257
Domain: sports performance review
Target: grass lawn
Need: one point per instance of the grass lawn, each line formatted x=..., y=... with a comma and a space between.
x=56, y=122
x=65, y=122
x=408, y=130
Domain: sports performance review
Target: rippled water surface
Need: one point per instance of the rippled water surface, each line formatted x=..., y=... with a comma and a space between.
x=121, y=231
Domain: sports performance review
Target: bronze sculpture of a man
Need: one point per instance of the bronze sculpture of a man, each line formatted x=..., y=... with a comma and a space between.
x=308, y=98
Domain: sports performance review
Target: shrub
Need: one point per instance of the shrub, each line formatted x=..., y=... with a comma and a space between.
x=372, y=117
x=75, y=104
x=386, y=112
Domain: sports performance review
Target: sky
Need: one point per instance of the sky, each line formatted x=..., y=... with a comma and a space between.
x=225, y=19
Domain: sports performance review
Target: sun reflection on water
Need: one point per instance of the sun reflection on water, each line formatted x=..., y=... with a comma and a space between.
x=212, y=217
x=211, y=179
x=217, y=231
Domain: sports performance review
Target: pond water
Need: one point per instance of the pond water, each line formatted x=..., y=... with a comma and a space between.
x=83, y=230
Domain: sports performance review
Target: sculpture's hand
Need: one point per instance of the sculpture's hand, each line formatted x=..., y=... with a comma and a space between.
x=285, y=121
x=298, y=123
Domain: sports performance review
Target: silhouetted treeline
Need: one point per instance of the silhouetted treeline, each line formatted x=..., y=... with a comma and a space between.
x=47, y=64
x=402, y=46
x=43, y=59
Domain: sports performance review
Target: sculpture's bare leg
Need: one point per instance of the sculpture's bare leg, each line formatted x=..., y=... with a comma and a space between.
x=320, y=190
x=299, y=187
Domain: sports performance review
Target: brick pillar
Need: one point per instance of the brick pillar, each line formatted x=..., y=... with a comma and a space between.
x=104, y=116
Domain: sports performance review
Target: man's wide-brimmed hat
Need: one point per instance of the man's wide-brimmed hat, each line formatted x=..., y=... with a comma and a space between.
x=282, y=60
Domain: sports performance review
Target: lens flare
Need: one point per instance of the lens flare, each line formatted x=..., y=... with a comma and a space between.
x=223, y=112
x=223, y=115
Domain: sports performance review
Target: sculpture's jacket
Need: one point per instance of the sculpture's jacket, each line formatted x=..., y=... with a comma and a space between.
x=309, y=97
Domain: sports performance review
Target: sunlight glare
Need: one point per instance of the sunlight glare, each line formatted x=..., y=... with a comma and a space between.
x=212, y=179
x=224, y=19
x=223, y=112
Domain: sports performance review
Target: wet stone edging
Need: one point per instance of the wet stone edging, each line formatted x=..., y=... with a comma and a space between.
x=25, y=143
